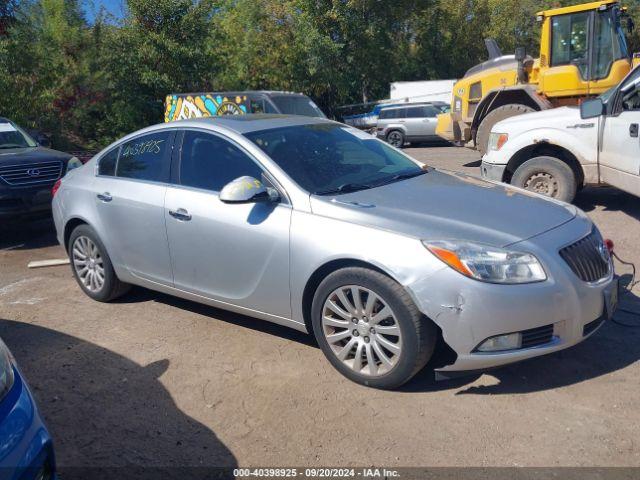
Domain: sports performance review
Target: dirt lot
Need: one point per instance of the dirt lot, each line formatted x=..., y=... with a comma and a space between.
x=153, y=380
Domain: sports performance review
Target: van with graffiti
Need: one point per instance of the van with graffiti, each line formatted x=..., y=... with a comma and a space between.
x=179, y=106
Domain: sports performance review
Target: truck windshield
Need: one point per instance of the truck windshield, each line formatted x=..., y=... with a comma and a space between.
x=297, y=105
x=12, y=136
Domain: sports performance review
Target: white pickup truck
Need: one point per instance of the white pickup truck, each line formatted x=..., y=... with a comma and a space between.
x=557, y=152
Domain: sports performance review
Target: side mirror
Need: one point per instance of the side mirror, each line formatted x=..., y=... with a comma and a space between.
x=43, y=141
x=592, y=108
x=247, y=190
x=521, y=54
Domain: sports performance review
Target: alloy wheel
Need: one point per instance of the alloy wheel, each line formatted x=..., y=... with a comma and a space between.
x=395, y=139
x=88, y=263
x=362, y=330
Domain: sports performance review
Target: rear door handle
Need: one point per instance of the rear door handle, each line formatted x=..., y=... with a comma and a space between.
x=180, y=214
x=633, y=130
x=105, y=197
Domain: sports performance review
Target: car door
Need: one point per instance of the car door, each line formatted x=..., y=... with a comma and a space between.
x=129, y=195
x=232, y=253
x=620, y=143
x=413, y=123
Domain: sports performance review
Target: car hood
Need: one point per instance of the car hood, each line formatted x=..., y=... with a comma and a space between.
x=556, y=117
x=448, y=205
x=32, y=154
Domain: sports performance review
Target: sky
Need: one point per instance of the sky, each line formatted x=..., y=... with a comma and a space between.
x=114, y=7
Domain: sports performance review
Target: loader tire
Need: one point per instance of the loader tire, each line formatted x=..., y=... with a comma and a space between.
x=493, y=117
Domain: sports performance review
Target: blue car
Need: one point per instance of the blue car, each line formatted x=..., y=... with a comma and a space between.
x=26, y=451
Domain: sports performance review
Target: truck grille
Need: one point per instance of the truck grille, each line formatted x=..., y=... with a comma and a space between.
x=31, y=173
x=588, y=258
x=537, y=336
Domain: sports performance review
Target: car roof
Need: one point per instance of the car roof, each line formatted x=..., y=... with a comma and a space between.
x=242, y=92
x=409, y=105
x=246, y=123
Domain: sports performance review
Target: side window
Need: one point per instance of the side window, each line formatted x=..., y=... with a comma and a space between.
x=630, y=92
x=257, y=105
x=210, y=162
x=569, y=39
x=146, y=158
x=268, y=108
x=430, y=111
x=107, y=165
x=415, y=112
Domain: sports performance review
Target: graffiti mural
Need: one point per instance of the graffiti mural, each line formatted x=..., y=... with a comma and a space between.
x=180, y=107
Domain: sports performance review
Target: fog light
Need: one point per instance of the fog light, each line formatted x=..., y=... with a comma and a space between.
x=510, y=341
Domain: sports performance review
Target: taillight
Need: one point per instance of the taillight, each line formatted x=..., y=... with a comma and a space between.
x=55, y=187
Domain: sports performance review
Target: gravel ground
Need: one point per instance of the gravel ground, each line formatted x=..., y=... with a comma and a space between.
x=153, y=380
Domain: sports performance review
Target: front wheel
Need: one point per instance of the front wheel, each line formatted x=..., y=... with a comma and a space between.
x=548, y=176
x=369, y=328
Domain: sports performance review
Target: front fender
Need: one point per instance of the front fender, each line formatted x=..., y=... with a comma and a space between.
x=584, y=146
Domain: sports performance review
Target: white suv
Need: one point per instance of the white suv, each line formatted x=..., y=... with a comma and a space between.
x=556, y=152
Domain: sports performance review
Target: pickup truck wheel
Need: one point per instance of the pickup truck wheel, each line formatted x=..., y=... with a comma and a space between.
x=548, y=176
x=493, y=117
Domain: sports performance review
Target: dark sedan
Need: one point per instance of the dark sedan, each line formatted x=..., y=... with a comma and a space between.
x=27, y=172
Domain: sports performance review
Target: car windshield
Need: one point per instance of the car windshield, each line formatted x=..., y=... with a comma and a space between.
x=12, y=136
x=329, y=158
x=297, y=105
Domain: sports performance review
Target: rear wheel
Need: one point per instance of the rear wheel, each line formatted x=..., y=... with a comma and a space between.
x=548, y=176
x=395, y=138
x=369, y=328
x=493, y=117
x=92, y=266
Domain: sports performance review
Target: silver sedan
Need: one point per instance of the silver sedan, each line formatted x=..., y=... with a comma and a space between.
x=317, y=226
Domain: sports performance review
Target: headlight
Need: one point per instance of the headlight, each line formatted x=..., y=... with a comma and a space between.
x=487, y=263
x=6, y=371
x=73, y=163
x=497, y=140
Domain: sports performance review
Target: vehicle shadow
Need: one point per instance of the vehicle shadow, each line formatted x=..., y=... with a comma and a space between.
x=109, y=416
x=28, y=234
x=612, y=348
x=610, y=198
x=139, y=294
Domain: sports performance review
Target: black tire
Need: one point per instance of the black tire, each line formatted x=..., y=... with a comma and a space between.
x=493, y=117
x=396, y=138
x=547, y=175
x=419, y=334
x=112, y=287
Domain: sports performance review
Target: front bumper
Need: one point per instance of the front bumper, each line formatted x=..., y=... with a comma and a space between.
x=469, y=312
x=26, y=449
x=492, y=171
x=25, y=201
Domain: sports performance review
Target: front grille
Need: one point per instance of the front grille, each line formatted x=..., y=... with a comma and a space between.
x=588, y=258
x=537, y=336
x=592, y=326
x=31, y=173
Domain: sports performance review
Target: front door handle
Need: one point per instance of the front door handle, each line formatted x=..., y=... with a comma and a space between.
x=633, y=130
x=180, y=214
x=105, y=197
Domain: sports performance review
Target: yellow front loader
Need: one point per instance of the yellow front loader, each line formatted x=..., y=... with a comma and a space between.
x=583, y=53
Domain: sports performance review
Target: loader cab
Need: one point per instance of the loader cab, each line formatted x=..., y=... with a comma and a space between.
x=583, y=50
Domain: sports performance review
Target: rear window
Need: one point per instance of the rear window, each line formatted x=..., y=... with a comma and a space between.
x=146, y=158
